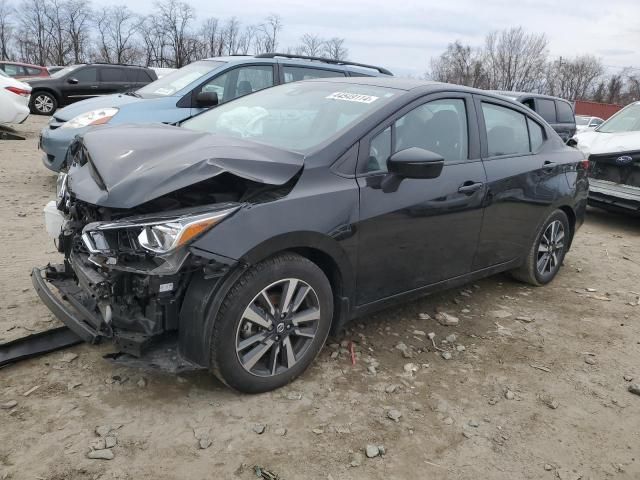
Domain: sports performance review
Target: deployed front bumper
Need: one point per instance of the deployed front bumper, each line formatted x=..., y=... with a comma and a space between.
x=603, y=193
x=65, y=306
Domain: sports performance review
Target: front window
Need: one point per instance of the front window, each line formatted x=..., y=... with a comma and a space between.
x=626, y=120
x=240, y=81
x=295, y=116
x=61, y=73
x=176, y=81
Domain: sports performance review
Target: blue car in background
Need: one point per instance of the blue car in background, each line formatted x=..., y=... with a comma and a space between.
x=187, y=92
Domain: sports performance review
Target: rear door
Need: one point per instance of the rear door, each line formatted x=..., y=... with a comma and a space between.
x=523, y=180
x=113, y=80
x=417, y=232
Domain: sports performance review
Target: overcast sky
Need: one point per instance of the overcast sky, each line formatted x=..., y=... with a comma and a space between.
x=404, y=35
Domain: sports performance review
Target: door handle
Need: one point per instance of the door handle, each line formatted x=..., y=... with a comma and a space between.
x=94, y=86
x=548, y=164
x=470, y=187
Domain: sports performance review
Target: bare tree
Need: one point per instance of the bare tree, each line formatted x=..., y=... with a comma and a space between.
x=209, y=38
x=230, y=34
x=515, y=60
x=311, y=45
x=6, y=29
x=56, y=26
x=460, y=64
x=117, y=27
x=267, y=35
x=33, y=39
x=246, y=39
x=573, y=79
x=78, y=13
x=334, y=49
x=176, y=19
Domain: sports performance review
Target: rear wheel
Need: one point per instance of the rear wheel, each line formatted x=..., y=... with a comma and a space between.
x=547, y=252
x=43, y=103
x=272, y=324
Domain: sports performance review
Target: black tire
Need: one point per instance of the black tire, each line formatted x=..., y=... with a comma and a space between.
x=230, y=321
x=43, y=103
x=530, y=272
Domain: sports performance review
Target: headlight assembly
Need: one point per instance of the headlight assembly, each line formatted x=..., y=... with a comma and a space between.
x=158, y=235
x=94, y=117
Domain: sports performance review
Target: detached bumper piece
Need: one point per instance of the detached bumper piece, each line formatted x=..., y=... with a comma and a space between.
x=37, y=344
x=610, y=194
x=67, y=308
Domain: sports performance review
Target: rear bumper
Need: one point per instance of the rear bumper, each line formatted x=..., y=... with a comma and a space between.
x=609, y=194
x=66, y=309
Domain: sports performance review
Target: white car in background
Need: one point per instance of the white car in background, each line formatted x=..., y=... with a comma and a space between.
x=584, y=122
x=613, y=150
x=14, y=100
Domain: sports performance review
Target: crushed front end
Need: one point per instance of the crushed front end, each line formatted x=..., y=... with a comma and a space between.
x=124, y=275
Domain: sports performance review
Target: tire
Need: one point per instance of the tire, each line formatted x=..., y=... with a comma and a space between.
x=43, y=103
x=530, y=272
x=249, y=347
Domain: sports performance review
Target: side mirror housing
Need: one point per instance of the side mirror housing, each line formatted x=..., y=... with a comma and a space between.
x=416, y=162
x=72, y=81
x=206, y=99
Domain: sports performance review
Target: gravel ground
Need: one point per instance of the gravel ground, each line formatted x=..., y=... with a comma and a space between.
x=536, y=386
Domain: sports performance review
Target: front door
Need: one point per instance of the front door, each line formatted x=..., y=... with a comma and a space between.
x=417, y=232
x=84, y=84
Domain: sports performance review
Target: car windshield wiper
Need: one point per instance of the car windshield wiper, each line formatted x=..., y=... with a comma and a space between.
x=133, y=93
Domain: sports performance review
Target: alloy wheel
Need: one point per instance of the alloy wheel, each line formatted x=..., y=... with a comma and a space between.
x=277, y=327
x=550, y=248
x=43, y=103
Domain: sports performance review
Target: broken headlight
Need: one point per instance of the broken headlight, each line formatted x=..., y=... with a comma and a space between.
x=156, y=234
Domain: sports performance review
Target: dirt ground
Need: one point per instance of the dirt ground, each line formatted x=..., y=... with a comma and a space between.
x=538, y=392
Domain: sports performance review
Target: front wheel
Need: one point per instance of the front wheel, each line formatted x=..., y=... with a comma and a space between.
x=272, y=324
x=547, y=252
x=43, y=103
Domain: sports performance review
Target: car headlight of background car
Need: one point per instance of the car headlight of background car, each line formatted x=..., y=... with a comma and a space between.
x=94, y=117
x=159, y=236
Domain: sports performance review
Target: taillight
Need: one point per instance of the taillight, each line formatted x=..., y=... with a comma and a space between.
x=19, y=91
x=584, y=164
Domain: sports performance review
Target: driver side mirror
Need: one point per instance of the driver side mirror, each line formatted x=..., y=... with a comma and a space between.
x=416, y=162
x=206, y=99
x=72, y=81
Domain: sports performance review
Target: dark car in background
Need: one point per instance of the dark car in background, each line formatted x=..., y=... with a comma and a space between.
x=79, y=82
x=556, y=111
x=23, y=70
x=249, y=232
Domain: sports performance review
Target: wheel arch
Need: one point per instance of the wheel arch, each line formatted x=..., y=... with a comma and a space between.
x=204, y=296
x=571, y=216
x=50, y=90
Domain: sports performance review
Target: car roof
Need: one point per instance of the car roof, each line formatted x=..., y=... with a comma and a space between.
x=519, y=95
x=303, y=61
x=21, y=64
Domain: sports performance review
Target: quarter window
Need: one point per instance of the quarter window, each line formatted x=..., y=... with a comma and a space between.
x=536, y=135
x=439, y=126
x=506, y=131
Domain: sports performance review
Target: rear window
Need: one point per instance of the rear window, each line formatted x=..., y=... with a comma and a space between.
x=546, y=109
x=565, y=112
x=32, y=71
x=507, y=132
x=536, y=135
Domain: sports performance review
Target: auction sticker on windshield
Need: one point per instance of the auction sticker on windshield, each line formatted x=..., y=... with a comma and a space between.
x=352, y=97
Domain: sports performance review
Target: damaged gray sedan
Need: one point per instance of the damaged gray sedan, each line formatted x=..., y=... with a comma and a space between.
x=242, y=237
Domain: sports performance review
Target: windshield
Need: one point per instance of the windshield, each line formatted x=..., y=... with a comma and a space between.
x=64, y=71
x=295, y=116
x=626, y=120
x=176, y=81
x=582, y=120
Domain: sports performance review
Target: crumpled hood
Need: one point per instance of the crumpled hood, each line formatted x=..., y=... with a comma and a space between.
x=84, y=106
x=592, y=142
x=138, y=163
